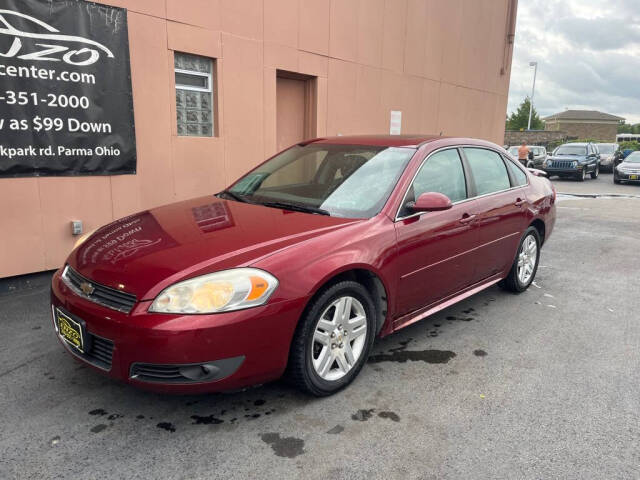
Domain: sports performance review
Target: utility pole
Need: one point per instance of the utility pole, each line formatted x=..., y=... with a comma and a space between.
x=533, y=89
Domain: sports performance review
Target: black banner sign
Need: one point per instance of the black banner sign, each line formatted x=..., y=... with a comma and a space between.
x=66, y=106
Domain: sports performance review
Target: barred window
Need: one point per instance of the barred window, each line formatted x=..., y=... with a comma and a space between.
x=194, y=95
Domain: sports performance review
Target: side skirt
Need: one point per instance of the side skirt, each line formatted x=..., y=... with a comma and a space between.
x=429, y=310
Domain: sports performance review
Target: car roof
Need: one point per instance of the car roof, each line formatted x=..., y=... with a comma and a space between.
x=576, y=144
x=411, y=141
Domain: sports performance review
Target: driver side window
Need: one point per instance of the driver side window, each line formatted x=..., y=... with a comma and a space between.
x=442, y=173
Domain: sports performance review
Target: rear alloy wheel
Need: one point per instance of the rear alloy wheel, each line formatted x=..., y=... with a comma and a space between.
x=595, y=173
x=333, y=339
x=524, y=268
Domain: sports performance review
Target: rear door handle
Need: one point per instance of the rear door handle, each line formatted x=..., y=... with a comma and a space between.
x=519, y=202
x=466, y=218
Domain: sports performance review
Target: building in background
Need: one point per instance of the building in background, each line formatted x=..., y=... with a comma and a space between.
x=585, y=124
x=218, y=86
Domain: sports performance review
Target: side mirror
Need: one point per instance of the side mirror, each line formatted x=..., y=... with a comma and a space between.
x=431, y=202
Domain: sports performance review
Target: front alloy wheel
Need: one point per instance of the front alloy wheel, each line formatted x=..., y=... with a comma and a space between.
x=595, y=173
x=333, y=339
x=339, y=338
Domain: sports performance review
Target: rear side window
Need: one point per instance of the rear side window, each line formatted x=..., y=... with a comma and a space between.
x=442, y=173
x=488, y=170
x=519, y=177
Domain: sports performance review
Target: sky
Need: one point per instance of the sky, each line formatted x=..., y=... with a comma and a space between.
x=588, y=54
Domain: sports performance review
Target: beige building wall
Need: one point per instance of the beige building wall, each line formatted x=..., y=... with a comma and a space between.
x=444, y=63
x=586, y=129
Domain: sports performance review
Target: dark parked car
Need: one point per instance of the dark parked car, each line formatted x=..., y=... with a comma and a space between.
x=628, y=170
x=301, y=263
x=608, y=153
x=574, y=160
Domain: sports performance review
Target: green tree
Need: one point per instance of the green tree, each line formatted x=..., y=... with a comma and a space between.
x=520, y=118
x=629, y=128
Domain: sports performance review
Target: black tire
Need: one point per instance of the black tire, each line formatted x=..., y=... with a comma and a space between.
x=512, y=282
x=300, y=370
x=595, y=173
x=582, y=175
x=616, y=180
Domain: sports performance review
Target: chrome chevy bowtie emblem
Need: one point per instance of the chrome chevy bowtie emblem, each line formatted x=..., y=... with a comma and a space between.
x=86, y=288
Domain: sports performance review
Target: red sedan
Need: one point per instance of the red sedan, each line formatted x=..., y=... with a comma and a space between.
x=300, y=264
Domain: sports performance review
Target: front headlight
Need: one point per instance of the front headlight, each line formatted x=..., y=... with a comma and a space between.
x=217, y=292
x=574, y=164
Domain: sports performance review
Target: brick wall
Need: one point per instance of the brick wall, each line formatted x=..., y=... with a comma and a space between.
x=533, y=137
x=604, y=132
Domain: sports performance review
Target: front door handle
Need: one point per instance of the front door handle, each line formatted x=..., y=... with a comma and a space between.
x=519, y=202
x=466, y=218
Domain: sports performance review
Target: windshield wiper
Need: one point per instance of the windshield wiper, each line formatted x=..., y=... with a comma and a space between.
x=234, y=196
x=296, y=207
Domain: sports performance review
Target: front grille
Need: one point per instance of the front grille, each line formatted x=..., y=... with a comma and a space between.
x=562, y=164
x=106, y=296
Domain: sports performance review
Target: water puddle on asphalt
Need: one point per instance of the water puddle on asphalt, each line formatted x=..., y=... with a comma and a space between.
x=288, y=447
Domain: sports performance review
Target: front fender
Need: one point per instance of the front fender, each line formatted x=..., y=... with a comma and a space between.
x=304, y=269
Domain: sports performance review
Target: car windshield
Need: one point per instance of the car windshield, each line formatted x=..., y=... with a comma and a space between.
x=341, y=180
x=571, y=150
x=633, y=158
x=605, y=148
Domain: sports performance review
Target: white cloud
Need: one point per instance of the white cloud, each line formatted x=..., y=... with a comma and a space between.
x=588, y=54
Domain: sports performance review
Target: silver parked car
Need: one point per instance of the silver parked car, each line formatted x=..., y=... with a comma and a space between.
x=608, y=153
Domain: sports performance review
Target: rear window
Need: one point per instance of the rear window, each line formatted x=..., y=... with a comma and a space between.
x=605, y=148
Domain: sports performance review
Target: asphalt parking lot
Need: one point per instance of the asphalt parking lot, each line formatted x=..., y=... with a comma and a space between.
x=539, y=385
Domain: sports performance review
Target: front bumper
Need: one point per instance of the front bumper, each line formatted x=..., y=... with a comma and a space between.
x=606, y=162
x=242, y=348
x=563, y=171
x=626, y=177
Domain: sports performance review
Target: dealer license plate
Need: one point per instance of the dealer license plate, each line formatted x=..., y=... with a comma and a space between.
x=633, y=177
x=70, y=330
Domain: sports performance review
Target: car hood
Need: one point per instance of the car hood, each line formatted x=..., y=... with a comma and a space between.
x=632, y=165
x=577, y=158
x=145, y=252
